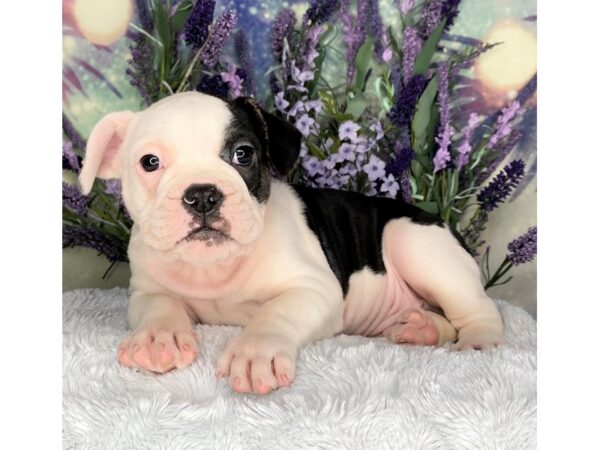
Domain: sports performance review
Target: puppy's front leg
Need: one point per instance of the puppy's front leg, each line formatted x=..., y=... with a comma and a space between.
x=162, y=335
x=263, y=356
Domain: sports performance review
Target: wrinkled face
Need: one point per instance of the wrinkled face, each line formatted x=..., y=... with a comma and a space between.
x=196, y=178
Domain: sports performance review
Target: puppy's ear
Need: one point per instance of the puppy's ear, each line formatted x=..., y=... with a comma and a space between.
x=282, y=138
x=103, y=149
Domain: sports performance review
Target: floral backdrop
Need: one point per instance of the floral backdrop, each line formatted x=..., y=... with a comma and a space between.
x=431, y=101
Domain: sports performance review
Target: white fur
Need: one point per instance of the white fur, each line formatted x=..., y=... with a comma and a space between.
x=351, y=392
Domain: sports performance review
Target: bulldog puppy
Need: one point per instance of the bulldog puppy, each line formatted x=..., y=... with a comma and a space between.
x=217, y=240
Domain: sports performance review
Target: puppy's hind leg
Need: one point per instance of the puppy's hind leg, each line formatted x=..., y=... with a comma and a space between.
x=434, y=264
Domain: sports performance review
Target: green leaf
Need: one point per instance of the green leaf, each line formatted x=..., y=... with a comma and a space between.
x=357, y=106
x=394, y=43
x=422, y=116
x=318, y=67
x=361, y=62
x=181, y=15
x=161, y=16
x=430, y=207
x=424, y=59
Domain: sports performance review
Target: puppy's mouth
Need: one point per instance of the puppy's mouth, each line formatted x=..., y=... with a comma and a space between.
x=206, y=233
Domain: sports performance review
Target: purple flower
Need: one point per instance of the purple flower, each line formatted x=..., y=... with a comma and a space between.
x=348, y=169
x=375, y=24
x=88, y=236
x=242, y=49
x=216, y=39
x=401, y=162
x=144, y=15
x=464, y=149
x=375, y=168
x=70, y=160
x=282, y=30
x=502, y=185
x=141, y=70
x=443, y=94
x=300, y=76
x=503, y=127
x=74, y=200
x=389, y=186
x=233, y=80
x=113, y=187
x=503, y=149
x=197, y=25
x=348, y=130
x=304, y=123
x=346, y=152
x=411, y=48
x=524, y=248
x=377, y=129
x=406, y=188
x=405, y=5
x=406, y=101
x=313, y=166
x=314, y=105
x=442, y=156
x=353, y=30
x=320, y=11
x=280, y=102
x=431, y=16
x=213, y=85
x=330, y=163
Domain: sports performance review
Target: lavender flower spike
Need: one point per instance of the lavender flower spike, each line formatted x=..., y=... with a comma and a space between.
x=242, y=48
x=405, y=5
x=411, y=49
x=524, y=248
x=502, y=185
x=503, y=127
x=320, y=11
x=74, y=200
x=464, y=149
x=401, y=113
x=282, y=29
x=196, y=27
x=442, y=157
x=216, y=40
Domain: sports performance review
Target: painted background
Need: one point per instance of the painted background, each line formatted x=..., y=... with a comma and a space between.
x=95, y=83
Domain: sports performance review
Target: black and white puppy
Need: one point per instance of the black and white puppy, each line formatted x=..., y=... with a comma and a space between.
x=216, y=240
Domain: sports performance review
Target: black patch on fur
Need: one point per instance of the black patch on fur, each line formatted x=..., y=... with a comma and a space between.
x=245, y=128
x=349, y=227
x=281, y=139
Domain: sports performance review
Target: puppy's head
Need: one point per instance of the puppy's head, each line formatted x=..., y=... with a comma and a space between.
x=195, y=171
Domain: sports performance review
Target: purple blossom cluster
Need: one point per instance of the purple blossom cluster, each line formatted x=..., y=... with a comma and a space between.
x=402, y=112
x=74, y=200
x=143, y=13
x=442, y=156
x=242, y=49
x=411, y=48
x=320, y=11
x=464, y=149
x=503, y=127
x=377, y=30
x=502, y=185
x=213, y=85
x=524, y=248
x=216, y=39
x=354, y=33
x=70, y=160
x=141, y=70
x=233, y=80
x=197, y=26
x=283, y=26
x=90, y=237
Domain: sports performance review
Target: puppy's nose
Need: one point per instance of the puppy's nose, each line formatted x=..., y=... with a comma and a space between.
x=202, y=198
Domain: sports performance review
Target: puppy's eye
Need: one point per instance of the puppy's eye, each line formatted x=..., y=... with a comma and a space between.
x=150, y=163
x=242, y=155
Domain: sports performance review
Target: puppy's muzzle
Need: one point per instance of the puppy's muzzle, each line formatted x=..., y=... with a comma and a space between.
x=202, y=200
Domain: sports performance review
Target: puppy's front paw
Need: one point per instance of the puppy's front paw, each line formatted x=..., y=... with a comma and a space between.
x=478, y=339
x=258, y=363
x=158, y=349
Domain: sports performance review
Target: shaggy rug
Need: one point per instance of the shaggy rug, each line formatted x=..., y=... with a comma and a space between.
x=350, y=392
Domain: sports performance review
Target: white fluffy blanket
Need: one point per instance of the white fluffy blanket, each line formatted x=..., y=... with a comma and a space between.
x=350, y=392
